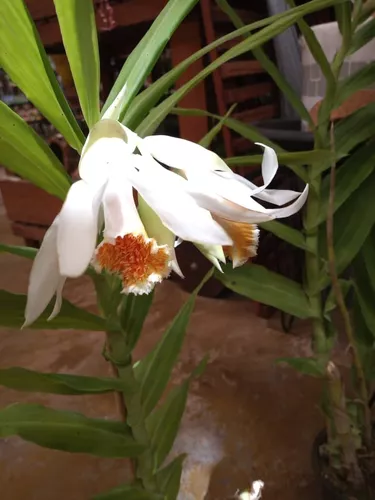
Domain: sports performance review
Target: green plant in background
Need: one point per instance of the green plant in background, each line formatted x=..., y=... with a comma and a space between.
x=338, y=234
x=135, y=250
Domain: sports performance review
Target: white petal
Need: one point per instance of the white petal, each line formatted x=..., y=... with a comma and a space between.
x=214, y=253
x=229, y=208
x=107, y=144
x=183, y=154
x=162, y=191
x=120, y=213
x=277, y=197
x=280, y=213
x=270, y=165
x=58, y=301
x=274, y=196
x=78, y=228
x=156, y=229
x=44, y=277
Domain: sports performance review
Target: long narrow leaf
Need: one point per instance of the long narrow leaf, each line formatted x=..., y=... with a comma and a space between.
x=21, y=379
x=286, y=233
x=24, y=59
x=27, y=252
x=350, y=229
x=358, y=81
x=164, y=421
x=78, y=30
x=267, y=287
x=145, y=101
x=68, y=431
x=271, y=68
x=154, y=370
x=141, y=61
x=25, y=153
x=349, y=177
x=12, y=308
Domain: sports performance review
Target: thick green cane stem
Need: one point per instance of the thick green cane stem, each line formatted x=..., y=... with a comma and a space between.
x=120, y=356
x=313, y=266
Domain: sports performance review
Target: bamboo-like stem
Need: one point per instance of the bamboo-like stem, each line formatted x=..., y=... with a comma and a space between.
x=343, y=431
x=341, y=301
x=120, y=403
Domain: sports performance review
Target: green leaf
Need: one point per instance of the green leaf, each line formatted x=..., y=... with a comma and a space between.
x=128, y=492
x=330, y=303
x=264, y=286
x=286, y=233
x=68, y=431
x=154, y=370
x=362, y=36
x=12, y=307
x=364, y=293
x=270, y=67
x=296, y=158
x=26, y=62
x=78, y=30
x=343, y=17
x=350, y=175
x=315, y=48
x=365, y=341
x=169, y=478
x=159, y=366
x=362, y=79
x=163, y=423
x=307, y=366
x=133, y=313
x=27, y=252
x=349, y=133
x=367, y=254
x=25, y=153
x=21, y=379
x=211, y=134
x=145, y=101
x=352, y=225
x=142, y=59
x=157, y=115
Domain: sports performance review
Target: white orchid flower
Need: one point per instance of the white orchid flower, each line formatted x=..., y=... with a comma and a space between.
x=210, y=206
x=139, y=247
x=228, y=196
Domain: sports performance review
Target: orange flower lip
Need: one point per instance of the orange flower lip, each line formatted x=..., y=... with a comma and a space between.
x=138, y=260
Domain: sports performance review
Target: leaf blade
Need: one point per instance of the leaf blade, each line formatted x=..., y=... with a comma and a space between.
x=142, y=59
x=264, y=286
x=78, y=29
x=25, y=153
x=22, y=379
x=12, y=307
x=68, y=431
x=31, y=70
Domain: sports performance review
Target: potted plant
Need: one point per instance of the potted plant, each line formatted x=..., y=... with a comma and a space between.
x=337, y=238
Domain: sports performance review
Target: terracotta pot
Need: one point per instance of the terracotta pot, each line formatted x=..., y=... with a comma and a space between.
x=329, y=490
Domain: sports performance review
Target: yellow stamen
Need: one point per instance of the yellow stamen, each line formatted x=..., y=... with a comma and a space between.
x=245, y=240
x=138, y=260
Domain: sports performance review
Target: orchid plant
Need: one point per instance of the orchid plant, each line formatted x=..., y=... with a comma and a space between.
x=337, y=239
x=119, y=223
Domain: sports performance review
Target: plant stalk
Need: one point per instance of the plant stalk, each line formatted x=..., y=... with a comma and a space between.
x=363, y=391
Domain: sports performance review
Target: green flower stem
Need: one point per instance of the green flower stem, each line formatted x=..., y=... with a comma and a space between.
x=313, y=265
x=121, y=358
